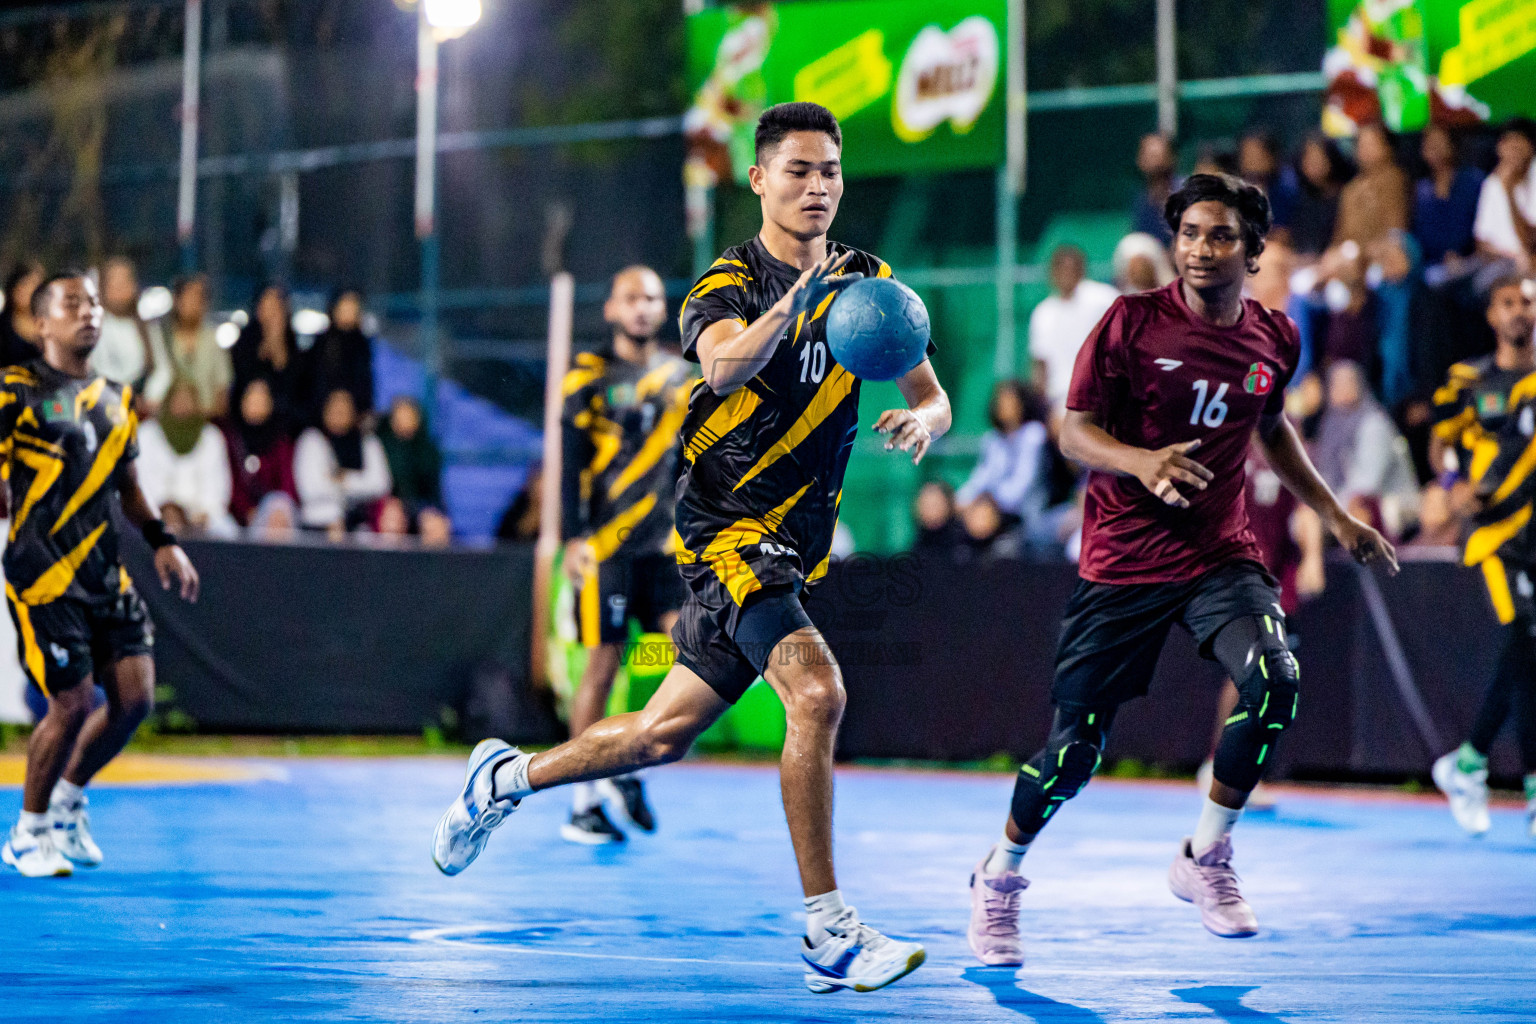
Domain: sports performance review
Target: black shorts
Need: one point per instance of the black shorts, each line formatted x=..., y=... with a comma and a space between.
x=624, y=587
x=728, y=645
x=64, y=641
x=1113, y=633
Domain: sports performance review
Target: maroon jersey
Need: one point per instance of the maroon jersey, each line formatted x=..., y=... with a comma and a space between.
x=1154, y=373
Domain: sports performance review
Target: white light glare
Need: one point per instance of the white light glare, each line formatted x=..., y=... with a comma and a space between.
x=227, y=334
x=154, y=303
x=452, y=15
x=310, y=322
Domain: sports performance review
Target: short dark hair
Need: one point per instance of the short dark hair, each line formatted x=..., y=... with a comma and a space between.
x=40, y=297
x=184, y=281
x=1249, y=201
x=1521, y=126
x=778, y=121
x=1509, y=279
x=1032, y=404
x=19, y=273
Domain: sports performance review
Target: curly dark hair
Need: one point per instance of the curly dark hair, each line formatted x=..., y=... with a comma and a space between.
x=1249, y=201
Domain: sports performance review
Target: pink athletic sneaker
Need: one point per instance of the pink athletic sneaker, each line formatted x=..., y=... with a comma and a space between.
x=1209, y=882
x=994, y=928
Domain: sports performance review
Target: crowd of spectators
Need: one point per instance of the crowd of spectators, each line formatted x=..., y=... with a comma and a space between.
x=253, y=429
x=1383, y=251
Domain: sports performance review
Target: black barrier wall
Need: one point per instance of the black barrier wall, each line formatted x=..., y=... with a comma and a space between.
x=941, y=661
x=325, y=639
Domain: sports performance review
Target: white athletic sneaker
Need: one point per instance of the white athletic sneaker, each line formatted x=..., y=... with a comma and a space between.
x=34, y=855
x=1467, y=792
x=466, y=825
x=855, y=956
x=72, y=832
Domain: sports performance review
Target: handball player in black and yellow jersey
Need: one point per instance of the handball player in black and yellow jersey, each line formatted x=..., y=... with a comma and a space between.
x=765, y=446
x=69, y=439
x=624, y=411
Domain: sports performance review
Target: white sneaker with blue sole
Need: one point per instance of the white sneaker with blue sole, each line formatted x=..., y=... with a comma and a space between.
x=34, y=855
x=855, y=956
x=71, y=821
x=463, y=829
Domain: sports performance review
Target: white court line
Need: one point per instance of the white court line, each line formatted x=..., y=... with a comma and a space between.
x=461, y=935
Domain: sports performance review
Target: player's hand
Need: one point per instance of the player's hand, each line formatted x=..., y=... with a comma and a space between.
x=1167, y=467
x=579, y=559
x=906, y=431
x=814, y=284
x=172, y=563
x=1365, y=544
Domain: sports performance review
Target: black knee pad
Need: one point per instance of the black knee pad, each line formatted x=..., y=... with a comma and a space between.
x=1270, y=696
x=1058, y=772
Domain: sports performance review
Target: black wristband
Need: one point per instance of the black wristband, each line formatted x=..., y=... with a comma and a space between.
x=157, y=535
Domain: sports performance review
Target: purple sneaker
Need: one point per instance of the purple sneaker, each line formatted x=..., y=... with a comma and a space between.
x=1209, y=882
x=994, y=928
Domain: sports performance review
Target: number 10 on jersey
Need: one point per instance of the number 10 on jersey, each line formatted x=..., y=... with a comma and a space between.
x=1212, y=413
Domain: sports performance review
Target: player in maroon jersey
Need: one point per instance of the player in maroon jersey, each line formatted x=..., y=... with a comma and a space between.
x=1165, y=396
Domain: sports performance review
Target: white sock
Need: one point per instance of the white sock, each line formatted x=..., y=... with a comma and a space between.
x=67, y=793
x=1006, y=856
x=509, y=779
x=29, y=822
x=1215, y=823
x=584, y=797
x=821, y=911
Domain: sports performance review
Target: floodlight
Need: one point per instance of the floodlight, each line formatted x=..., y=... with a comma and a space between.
x=154, y=302
x=310, y=322
x=227, y=334
x=452, y=16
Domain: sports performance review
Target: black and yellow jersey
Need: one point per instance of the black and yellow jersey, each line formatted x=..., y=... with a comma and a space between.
x=763, y=466
x=64, y=442
x=1472, y=405
x=620, y=430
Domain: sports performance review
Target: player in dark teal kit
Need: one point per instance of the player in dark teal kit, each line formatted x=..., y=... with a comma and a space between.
x=69, y=438
x=765, y=445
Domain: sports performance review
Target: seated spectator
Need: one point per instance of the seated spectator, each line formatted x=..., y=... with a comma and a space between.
x=392, y=523
x=268, y=350
x=1157, y=161
x=1013, y=470
x=195, y=354
x=1062, y=321
x=260, y=452
x=129, y=351
x=520, y=522
x=183, y=466
x=341, y=358
x=1360, y=454
x=275, y=520
x=1141, y=264
x=415, y=464
x=938, y=525
x=1444, y=204
x=1258, y=161
x=340, y=469
x=1271, y=286
x=1322, y=168
x=18, y=331
x=1505, y=226
x=1375, y=201
x=988, y=534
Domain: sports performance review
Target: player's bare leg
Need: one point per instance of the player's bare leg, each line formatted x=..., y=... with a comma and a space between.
x=589, y=823
x=30, y=846
x=130, y=687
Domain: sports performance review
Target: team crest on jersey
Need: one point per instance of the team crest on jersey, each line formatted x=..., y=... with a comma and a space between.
x=1490, y=403
x=57, y=409
x=1260, y=379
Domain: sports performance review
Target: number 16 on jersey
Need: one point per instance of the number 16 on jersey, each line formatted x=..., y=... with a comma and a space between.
x=1212, y=413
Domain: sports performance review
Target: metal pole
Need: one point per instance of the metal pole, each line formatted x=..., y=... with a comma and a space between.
x=1010, y=185
x=562, y=305
x=426, y=203
x=1167, y=70
x=186, y=200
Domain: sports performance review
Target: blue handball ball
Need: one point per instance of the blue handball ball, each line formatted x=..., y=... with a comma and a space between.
x=878, y=329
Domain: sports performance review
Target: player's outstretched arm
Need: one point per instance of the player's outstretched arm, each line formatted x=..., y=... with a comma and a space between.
x=1160, y=471
x=730, y=354
x=1288, y=457
x=925, y=419
x=170, y=561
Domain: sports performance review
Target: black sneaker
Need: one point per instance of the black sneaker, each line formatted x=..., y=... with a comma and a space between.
x=632, y=791
x=591, y=828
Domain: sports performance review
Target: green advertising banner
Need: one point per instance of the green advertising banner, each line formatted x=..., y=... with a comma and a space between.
x=1409, y=62
x=916, y=84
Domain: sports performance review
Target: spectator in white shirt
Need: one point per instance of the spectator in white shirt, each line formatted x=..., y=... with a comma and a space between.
x=1062, y=321
x=340, y=469
x=183, y=466
x=129, y=350
x=1505, y=227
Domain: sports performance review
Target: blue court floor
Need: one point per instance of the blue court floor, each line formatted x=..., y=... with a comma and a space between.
x=310, y=895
